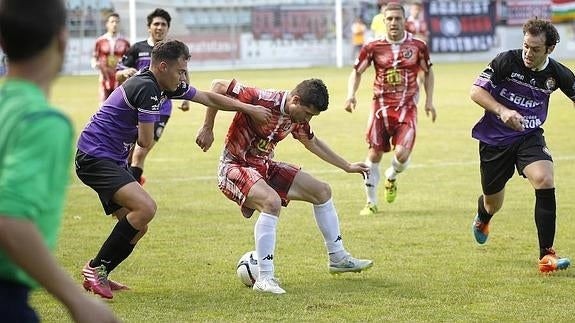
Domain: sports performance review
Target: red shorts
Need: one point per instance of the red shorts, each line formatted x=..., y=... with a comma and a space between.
x=236, y=180
x=387, y=127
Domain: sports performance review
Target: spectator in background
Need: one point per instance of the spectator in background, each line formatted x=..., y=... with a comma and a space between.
x=377, y=26
x=358, y=29
x=35, y=151
x=416, y=23
x=108, y=51
x=137, y=58
x=397, y=59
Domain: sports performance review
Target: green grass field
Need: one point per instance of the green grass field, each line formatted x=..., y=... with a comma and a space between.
x=427, y=264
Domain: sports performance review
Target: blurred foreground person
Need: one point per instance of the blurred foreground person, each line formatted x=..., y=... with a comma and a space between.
x=35, y=152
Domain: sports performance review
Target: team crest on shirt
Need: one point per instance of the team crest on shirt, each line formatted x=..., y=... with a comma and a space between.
x=407, y=53
x=550, y=83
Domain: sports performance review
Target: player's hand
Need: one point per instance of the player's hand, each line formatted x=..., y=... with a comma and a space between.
x=259, y=114
x=512, y=119
x=360, y=168
x=205, y=138
x=185, y=106
x=129, y=72
x=350, y=105
x=87, y=309
x=430, y=109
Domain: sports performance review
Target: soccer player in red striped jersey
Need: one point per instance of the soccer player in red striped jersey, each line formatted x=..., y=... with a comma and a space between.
x=249, y=176
x=392, y=122
x=108, y=50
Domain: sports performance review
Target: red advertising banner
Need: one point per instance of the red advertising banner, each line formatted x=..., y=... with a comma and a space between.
x=212, y=46
x=290, y=22
x=519, y=11
x=460, y=26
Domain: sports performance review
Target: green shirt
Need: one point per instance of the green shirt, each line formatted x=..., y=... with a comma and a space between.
x=35, y=159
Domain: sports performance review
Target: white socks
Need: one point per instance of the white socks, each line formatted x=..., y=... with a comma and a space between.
x=265, y=236
x=372, y=181
x=395, y=168
x=328, y=223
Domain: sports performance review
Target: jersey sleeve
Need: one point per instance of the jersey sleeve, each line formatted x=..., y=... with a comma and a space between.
x=184, y=91
x=494, y=73
x=303, y=131
x=242, y=93
x=567, y=82
x=37, y=167
x=128, y=60
x=142, y=95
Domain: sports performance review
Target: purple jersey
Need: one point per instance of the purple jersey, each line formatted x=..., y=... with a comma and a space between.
x=519, y=88
x=139, y=56
x=113, y=130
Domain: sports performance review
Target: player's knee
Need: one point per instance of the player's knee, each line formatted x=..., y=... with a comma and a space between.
x=272, y=204
x=544, y=181
x=146, y=212
x=321, y=193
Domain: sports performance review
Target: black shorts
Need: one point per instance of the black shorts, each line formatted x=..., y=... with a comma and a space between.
x=104, y=176
x=497, y=162
x=14, y=307
x=159, y=126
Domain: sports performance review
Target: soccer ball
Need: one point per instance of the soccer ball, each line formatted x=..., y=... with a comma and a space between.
x=247, y=268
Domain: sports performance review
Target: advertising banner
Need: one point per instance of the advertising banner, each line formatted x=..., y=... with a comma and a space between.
x=460, y=26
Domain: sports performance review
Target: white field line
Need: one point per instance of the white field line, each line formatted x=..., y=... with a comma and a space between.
x=328, y=170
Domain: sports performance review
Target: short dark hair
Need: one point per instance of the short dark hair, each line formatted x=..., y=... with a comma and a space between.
x=159, y=12
x=28, y=27
x=113, y=14
x=394, y=6
x=312, y=93
x=537, y=27
x=169, y=50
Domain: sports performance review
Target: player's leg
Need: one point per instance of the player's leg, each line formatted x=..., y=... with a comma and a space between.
x=263, y=198
x=378, y=140
x=497, y=166
x=245, y=186
x=536, y=164
x=371, y=182
x=403, y=140
x=305, y=187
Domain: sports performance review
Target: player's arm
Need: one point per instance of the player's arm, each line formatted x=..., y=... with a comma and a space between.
x=353, y=82
x=322, y=150
x=125, y=67
x=222, y=102
x=145, y=134
x=123, y=75
x=23, y=244
x=429, y=85
x=205, y=136
x=485, y=100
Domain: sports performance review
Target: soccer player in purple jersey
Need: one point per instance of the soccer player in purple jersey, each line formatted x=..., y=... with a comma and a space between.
x=127, y=117
x=514, y=90
x=137, y=58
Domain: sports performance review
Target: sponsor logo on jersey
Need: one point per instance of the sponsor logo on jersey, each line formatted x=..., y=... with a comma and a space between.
x=518, y=99
x=550, y=83
x=517, y=76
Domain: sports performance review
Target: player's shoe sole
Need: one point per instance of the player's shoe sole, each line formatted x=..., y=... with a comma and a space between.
x=480, y=230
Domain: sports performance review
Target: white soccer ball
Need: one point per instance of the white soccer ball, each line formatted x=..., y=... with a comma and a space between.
x=247, y=268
